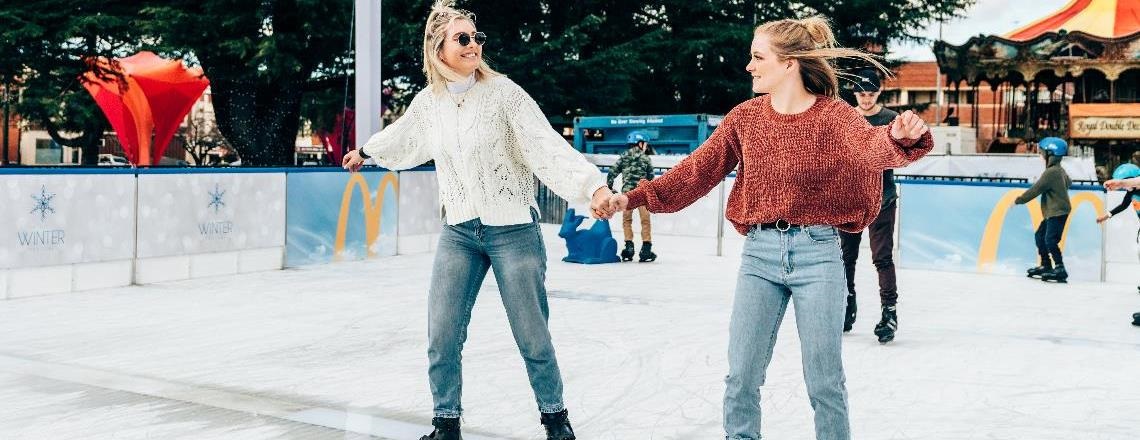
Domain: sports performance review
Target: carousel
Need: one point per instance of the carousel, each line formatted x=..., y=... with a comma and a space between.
x=1073, y=74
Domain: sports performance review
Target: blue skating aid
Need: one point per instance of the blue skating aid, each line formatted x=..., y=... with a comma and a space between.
x=588, y=246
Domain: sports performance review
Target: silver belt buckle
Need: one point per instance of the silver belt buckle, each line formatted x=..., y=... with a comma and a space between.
x=786, y=226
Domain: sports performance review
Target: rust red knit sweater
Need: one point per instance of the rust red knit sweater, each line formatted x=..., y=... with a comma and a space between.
x=823, y=166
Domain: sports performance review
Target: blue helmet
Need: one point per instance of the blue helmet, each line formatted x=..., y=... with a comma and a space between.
x=1054, y=146
x=636, y=136
x=1126, y=171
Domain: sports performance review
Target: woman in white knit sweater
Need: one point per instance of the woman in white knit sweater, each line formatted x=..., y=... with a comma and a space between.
x=488, y=139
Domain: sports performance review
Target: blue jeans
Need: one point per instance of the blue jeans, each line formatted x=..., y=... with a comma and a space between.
x=518, y=257
x=802, y=265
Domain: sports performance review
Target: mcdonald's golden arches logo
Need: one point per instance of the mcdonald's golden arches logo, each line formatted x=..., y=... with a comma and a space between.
x=991, y=236
x=373, y=208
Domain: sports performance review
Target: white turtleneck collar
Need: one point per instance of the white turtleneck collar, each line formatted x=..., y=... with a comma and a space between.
x=461, y=86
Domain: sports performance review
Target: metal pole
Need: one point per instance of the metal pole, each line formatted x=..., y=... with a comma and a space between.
x=938, y=82
x=7, y=123
x=720, y=221
x=368, y=60
x=1104, y=247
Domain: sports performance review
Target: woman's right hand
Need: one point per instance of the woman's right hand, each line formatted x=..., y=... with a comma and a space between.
x=1102, y=218
x=618, y=203
x=352, y=161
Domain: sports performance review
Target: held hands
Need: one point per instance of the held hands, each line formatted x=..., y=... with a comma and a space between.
x=600, y=204
x=908, y=126
x=618, y=202
x=1115, y=184
x=352, y=161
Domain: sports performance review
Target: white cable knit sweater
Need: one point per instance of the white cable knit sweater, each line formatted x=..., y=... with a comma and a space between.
x=487, y=152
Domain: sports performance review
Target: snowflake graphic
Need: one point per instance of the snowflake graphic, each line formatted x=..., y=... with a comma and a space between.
x=43, y=203
x=216, y=198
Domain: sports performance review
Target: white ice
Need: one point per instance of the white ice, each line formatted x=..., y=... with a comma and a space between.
x=339, y=351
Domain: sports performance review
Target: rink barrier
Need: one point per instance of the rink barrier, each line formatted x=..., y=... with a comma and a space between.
x=112, y=254
x=75, y=229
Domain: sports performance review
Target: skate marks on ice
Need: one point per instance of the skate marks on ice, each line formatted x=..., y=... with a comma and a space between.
x=67, y=401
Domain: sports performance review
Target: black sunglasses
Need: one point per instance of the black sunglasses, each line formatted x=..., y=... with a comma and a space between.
x=464, y=39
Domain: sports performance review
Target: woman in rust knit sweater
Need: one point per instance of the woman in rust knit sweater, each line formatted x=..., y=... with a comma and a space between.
x=807, y=164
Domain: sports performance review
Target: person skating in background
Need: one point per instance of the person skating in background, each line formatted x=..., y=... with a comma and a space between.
x=882, y=229
x=1053, y=187
x=634, y=165
x=1128, y=171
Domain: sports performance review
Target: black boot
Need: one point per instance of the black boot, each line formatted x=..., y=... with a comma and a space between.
x=886, y=327
x=627, y=253
x=1035, y=272
x=1058, y=274
x=1136, y=319
x=557, y=426
x=646, y=252
x=849, y=316
x=445, y=429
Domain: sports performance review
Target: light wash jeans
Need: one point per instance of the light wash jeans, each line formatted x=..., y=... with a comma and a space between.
x=803, y=265
x=517, y=256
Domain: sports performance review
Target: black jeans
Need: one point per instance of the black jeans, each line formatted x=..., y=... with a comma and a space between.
x=1048, y=238
x=882, y=232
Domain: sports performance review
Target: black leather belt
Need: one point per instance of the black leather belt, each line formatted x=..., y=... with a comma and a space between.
x=779, y=225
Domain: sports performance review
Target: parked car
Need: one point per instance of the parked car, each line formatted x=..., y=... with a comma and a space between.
x=112, y=160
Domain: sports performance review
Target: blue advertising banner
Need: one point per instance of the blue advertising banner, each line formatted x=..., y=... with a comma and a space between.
x=338, y=216
x=978, y=228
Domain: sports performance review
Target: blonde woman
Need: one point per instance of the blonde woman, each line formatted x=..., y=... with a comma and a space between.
x=489, y=140
x=807, y=164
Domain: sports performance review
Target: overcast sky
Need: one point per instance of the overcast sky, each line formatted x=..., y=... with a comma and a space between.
x=985, y=17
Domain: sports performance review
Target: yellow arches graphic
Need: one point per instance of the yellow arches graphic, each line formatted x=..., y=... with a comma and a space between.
x=373, y=208
x=991, y=236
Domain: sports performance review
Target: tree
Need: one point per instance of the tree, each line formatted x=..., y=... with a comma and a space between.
x=201, y=135
x=647, y=57
x=45, y=45
x=261, y=59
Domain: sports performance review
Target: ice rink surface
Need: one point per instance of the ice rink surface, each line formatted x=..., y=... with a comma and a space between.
x=339, y=352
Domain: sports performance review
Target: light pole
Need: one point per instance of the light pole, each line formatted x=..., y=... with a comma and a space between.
x=367, y=68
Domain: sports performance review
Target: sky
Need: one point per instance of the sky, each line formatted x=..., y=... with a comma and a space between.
x=985, y=17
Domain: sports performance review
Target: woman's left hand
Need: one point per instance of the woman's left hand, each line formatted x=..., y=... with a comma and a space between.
x=908, y=126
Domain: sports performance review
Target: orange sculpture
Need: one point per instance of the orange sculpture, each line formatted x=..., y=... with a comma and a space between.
x=151, y=99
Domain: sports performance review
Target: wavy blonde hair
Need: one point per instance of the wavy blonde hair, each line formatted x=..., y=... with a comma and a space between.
x=443, y=14
x=811, y=42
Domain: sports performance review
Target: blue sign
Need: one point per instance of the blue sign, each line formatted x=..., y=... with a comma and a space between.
x=337, y=216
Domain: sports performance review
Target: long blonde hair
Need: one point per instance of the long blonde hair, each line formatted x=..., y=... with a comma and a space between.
x=811, y=42
x=443, y=14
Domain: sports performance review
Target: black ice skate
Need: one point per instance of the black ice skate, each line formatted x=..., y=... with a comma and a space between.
x=1136, y=319
x=445, y=429
x=557, y=426
x=646, y=253
x=849, y=315
x=627, y=253
x=1035, y=272
x=886, y=327
x=1058, y=274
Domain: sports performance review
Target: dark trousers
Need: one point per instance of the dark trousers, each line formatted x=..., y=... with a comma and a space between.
x=882, y=232
x=1048, y=239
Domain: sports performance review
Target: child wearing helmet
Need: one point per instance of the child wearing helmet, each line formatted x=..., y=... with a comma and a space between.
x=634, y=165
x=1122, y=172
x=1053, y=187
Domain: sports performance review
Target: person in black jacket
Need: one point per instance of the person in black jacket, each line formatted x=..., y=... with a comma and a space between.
x=882, y=230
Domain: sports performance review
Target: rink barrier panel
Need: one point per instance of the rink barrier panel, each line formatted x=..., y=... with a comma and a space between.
x=418, y=226
x=59, y=270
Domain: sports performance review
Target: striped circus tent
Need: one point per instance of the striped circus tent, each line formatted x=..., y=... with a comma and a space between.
x=1099, y=18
